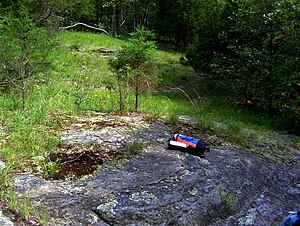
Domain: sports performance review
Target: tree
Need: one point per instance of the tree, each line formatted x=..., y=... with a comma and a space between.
x=46, y=13
x=123, y=16
x=212, y=25
x=251, y=49
x=24, y=52
x=176, y=21
x=133, y=66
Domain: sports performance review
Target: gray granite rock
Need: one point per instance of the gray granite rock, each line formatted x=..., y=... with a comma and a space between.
x=25, y=182
x=2, y=165
x=168, y=187
x=5, y=221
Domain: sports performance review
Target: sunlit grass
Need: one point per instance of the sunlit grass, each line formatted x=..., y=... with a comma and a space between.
x=90, y=40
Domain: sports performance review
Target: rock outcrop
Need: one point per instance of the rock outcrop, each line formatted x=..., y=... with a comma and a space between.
x=4, y=220
x=158, y=186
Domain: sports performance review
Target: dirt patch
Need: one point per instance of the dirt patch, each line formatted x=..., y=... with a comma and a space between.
x=104, y=52
x=78, y=161
x=91, y=140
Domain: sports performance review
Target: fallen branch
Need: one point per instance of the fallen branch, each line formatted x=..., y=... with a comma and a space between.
x=83, y=24
x=72, y=160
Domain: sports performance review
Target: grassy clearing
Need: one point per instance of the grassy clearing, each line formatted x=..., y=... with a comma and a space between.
x=80, y=80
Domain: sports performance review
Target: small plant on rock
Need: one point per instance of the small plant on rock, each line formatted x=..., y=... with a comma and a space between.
x=297, y=142
x=227, y=199
x=4, y=177
x=12, y=201
x=135, y=147
x=43, y=217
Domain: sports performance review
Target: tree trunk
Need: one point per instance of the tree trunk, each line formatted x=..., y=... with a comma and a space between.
x=136, y=92
x=120, y=97
x=23, y=85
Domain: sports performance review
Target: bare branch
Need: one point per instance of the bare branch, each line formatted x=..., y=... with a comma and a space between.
x=83, y=24
x=122, y=23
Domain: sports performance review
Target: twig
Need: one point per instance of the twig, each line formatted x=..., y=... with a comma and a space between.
x=122, y=23
x=72, y=160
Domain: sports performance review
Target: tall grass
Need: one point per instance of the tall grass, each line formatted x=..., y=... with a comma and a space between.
x=228, y=121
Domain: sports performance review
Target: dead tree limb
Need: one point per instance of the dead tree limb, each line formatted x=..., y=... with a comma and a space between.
x=83, y=24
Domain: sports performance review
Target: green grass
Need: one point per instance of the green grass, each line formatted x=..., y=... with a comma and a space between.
x=78, y=82
x=135, y=147
x=297, y=142
x=227, y=199
x=80, y=79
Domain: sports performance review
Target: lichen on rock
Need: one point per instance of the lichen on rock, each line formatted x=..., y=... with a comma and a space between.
x=142, y=196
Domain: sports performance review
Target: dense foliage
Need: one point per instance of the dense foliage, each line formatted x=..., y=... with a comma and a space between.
x=249, y=49
x=252, y=53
